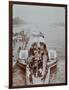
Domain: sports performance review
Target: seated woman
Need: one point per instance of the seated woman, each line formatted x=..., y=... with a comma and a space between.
x=45, y=57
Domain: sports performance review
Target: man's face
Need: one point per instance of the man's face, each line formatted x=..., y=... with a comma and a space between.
x=35, y=46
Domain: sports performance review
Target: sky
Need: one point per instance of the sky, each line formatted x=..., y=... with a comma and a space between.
x=39, y=14
x=47, y=19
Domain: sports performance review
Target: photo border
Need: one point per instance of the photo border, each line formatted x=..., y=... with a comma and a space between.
x=11, y=3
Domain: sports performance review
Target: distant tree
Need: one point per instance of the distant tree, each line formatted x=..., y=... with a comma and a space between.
x=18, y=21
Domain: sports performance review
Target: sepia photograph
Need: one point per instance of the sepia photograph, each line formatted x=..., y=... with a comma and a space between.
x=38, y=44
